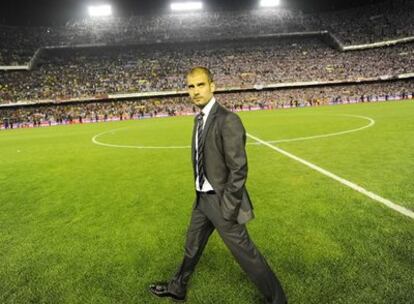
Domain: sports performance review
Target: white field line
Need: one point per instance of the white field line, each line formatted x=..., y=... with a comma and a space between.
x=343, y=181
x=371, y=123
x=95, y=141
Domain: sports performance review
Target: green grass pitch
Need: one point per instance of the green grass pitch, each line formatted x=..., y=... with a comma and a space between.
x=85, y=223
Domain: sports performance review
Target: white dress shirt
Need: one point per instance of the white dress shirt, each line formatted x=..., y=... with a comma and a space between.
x=206, y=110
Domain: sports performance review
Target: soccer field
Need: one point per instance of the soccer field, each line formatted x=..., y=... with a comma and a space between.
x=93, y=213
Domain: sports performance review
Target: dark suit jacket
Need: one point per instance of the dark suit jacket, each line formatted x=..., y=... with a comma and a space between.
x=225, y=162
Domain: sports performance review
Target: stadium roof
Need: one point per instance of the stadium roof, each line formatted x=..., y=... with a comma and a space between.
x=56, y=12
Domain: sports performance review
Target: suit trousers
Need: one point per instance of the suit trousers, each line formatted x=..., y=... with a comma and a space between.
x=206, y=217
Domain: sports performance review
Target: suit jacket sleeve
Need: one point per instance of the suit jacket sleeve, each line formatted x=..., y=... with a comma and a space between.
x=234, y=140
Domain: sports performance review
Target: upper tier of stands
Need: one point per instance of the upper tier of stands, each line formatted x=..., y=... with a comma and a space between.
x=367, y=24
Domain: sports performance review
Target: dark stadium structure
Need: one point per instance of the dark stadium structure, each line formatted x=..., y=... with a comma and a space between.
x=132, y=66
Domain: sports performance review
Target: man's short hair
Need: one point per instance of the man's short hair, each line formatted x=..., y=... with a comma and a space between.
x=204, y=70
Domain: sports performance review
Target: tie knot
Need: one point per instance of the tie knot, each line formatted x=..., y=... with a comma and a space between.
x=200, y=116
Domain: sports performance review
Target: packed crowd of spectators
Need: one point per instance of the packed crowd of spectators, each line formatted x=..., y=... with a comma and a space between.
x=147, y=63
x=100, y=71
x=153, y=107
x=96, y=111
x=388, y=20
x=17, y=44
x=373, y=23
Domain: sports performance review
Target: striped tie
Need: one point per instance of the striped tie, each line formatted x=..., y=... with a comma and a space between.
x=200, y=154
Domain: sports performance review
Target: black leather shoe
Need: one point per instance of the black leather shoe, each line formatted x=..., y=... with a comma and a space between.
x=161, y=290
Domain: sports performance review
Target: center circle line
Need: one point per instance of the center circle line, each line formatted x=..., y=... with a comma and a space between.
x=371, y=123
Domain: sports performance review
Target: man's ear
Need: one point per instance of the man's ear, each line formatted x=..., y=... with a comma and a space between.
x=212, y=86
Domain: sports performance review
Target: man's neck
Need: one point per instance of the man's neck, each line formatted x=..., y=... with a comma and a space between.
x=208, y=105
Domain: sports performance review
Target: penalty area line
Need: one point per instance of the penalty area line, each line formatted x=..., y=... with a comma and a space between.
x=376, y=197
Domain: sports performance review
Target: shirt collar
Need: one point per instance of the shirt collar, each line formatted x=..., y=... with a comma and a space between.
x=207, y=108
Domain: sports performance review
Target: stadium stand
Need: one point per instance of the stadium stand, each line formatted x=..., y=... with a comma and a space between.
x=25, y=116
x=99, y=71
x=283, y=58
x=371, y=23
x=354, y=26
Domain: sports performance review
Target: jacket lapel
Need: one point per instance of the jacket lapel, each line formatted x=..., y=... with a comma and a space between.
x=210, y=119
x=193, y=140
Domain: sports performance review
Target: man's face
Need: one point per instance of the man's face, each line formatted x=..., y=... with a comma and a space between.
x=199, y=88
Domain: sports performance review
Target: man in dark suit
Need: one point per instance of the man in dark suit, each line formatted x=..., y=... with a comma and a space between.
x=222, y=202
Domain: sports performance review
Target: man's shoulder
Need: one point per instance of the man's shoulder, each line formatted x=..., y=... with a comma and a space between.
x=227, y=117
x=222, y=110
